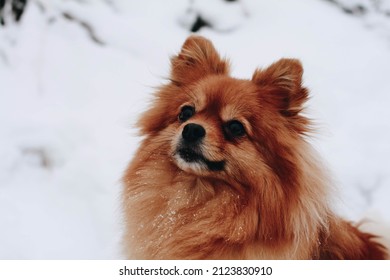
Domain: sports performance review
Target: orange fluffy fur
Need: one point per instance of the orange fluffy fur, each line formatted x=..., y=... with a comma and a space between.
x=269, y=200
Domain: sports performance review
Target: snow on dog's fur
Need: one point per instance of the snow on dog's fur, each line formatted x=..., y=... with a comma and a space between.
x=224, y=171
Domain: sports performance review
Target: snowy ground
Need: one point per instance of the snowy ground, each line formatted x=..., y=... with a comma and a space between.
x=69, y=98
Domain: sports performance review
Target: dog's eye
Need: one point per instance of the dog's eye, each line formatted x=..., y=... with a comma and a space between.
x=235, y=128
x=186, y=113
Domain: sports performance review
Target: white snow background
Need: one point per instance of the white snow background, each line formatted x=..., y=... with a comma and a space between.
x=69, y=98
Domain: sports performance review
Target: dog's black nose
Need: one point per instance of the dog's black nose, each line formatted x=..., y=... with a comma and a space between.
x=193, y=132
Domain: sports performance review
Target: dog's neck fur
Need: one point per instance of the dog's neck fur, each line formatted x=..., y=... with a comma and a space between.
x=170, y=196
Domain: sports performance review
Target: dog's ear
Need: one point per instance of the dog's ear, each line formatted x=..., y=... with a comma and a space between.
x=197, y=59
x=284, y=79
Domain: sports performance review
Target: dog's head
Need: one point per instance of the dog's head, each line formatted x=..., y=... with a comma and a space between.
x=233, y=146
x=213, y=125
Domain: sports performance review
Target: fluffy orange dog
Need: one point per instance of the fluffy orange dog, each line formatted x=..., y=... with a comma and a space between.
x=224, y=171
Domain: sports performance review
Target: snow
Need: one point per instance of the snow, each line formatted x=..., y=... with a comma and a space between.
x=68, y=105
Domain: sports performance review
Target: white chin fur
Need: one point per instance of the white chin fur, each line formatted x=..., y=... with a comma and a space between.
x=190, y=166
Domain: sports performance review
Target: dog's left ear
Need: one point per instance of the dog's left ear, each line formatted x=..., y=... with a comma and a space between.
x=284, y=81
x=197, y=59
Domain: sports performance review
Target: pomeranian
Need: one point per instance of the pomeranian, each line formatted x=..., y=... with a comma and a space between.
x=224, y=170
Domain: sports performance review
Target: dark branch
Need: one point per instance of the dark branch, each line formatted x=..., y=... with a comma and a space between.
x=90, y=31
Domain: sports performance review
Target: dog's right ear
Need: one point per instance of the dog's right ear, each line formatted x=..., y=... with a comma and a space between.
x=285, y=76
x=197, y=59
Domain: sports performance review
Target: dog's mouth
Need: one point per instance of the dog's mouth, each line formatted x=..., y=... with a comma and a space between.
x=190, y=156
